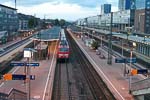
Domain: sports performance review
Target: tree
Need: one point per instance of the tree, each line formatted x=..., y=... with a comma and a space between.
x=94, y=44
x=56, y=22
x=32, y=22
x=62, y=22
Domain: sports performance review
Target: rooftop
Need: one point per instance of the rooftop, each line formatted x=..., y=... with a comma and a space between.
x=8, y=7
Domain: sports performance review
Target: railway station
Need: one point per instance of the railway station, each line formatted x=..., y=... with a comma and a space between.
x=74, y=53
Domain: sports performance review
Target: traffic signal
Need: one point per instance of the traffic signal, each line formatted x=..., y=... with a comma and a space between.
x=7, y=77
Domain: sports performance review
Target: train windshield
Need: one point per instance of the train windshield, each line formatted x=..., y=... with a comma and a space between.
x=63, y=49
x=63, y=42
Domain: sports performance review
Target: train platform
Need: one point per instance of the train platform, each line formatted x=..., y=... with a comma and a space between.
x=113, y=75
x=41, y=87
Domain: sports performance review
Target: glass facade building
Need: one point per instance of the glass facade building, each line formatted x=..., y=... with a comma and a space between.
x=8, y=19
x=105, y=9
x=147, y=16
x=140, y=4
x=124, y=4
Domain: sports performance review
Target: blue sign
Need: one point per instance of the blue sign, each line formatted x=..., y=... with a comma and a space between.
x=125, y=60
x=18, y=77
x=119, y=60
x=32, y=64
x=133, y=60
x=23, y=64
x=17, y=64
x=22, y=77
x=142, y=71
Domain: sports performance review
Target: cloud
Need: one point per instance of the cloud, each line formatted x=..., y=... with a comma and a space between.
x=61, y=9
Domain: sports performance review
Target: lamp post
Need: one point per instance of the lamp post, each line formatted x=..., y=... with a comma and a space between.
x=93, y=34
x=131, y=55
x=101, y=42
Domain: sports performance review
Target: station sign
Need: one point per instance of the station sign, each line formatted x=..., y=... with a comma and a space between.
x=142, y=71
x=17, y=77
x=24, y=64
x=125, y=60
x=139, y=71
x=120, y=60
x=129, y=60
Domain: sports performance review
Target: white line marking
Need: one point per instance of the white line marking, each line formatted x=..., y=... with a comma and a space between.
x=49, y=74
x=2, y=84
x=15, y=70
x=100, y=70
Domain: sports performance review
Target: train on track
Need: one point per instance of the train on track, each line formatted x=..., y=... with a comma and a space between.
x=63, y=50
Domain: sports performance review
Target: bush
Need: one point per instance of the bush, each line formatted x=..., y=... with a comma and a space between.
x=94, y=44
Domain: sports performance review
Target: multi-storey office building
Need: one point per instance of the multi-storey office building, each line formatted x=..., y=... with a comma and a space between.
x=142, y=16
x=8, y=19
x=105, y=8
x=23, y=22
x=121, y=20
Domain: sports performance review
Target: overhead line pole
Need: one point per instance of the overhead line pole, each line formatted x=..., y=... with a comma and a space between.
x=109, y=61
x=15, y=4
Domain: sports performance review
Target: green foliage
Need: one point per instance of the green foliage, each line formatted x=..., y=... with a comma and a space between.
x=94, y=44
x=62, y=22
x=56, y=22
x=32, y=22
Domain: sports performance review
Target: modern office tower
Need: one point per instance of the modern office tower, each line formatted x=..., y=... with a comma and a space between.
x=124, y=4
x=105, y=8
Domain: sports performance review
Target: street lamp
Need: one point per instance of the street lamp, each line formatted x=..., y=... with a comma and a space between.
x=93, y=34
x=28, y=53
x=131, y=55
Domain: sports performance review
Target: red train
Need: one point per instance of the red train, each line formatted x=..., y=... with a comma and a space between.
x=63, y=50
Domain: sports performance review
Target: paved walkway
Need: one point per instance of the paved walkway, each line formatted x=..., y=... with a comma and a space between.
x=111, y=74
x=41, y=87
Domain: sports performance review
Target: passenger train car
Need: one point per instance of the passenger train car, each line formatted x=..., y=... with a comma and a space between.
x=63, y=47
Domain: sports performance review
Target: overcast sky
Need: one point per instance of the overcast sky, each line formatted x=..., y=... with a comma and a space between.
x=62, y=9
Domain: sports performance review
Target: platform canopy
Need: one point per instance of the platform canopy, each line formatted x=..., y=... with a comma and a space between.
x=48, y=34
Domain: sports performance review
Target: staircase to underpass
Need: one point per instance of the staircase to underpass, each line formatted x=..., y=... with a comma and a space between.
x=14, y=94
x=141, y=87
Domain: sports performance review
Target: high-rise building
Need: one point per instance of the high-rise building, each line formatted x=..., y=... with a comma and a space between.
x=105, y=8
x=124, y=4
x=142, y=16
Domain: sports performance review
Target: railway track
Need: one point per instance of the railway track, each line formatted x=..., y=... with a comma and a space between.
x=57, y=82
x=13, y=46
x=98, y=88
x=77, y=79
x=62, y=89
